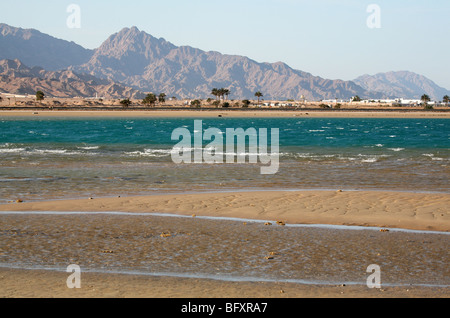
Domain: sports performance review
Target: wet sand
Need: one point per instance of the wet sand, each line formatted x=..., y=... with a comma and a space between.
x=187, y=257
x=142, y=255
x=49, y=284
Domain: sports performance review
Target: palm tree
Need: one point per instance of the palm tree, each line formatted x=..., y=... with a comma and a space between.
x=226, y=92
x=162, y=98
x=40, y=95
x=125, y=102
x=446, y=100
x=221, y=93
x=150, y=99
x=215, y=92
x=425, y=99
x=259, y=95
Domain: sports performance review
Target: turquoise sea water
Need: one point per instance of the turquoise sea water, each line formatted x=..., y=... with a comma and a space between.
x=71, y=158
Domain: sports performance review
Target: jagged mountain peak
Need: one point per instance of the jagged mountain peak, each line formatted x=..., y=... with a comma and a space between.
x=140, y=60
x=135, y=40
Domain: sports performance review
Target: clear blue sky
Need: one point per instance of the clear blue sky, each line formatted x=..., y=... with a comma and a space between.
x=328, y=38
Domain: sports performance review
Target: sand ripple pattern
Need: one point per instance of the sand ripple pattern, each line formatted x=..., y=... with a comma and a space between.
x=221, y=249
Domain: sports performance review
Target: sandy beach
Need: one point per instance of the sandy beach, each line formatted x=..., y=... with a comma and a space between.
x=419, y=211
x=104, y=239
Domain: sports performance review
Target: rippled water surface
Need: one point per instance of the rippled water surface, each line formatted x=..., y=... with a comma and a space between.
x=67, y=158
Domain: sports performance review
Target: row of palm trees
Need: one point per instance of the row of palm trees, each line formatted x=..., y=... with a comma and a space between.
x=222, y=92
x=151, y=99
x=425, y=99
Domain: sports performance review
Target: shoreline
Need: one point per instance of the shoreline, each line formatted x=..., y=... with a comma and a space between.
x=225, y=113
x=341, y=227
x=24, y=283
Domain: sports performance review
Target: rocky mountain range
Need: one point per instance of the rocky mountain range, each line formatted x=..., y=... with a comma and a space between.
x=137, y=62
x=140, y=60
x=17, y=78
x=34, y=48
x=402, y=83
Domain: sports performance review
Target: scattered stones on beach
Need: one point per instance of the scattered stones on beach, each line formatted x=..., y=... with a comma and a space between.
x=384, y=230
x=271, y=255
x=282, y=223
x=267, y=223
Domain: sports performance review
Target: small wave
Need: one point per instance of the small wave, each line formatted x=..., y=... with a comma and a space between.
x=151, y=152
x=369, y=160
x=64, y=152
x=396, y=149
x=89, y=147
x=12, y=150
x=50, y=151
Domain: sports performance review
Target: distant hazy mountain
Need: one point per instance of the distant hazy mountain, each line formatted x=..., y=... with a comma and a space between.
x=38, y=49
x=140, y=60
x=17, y=78
x=402, y=84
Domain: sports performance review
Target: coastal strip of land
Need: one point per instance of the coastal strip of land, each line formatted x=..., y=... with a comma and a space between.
x=157, y=113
